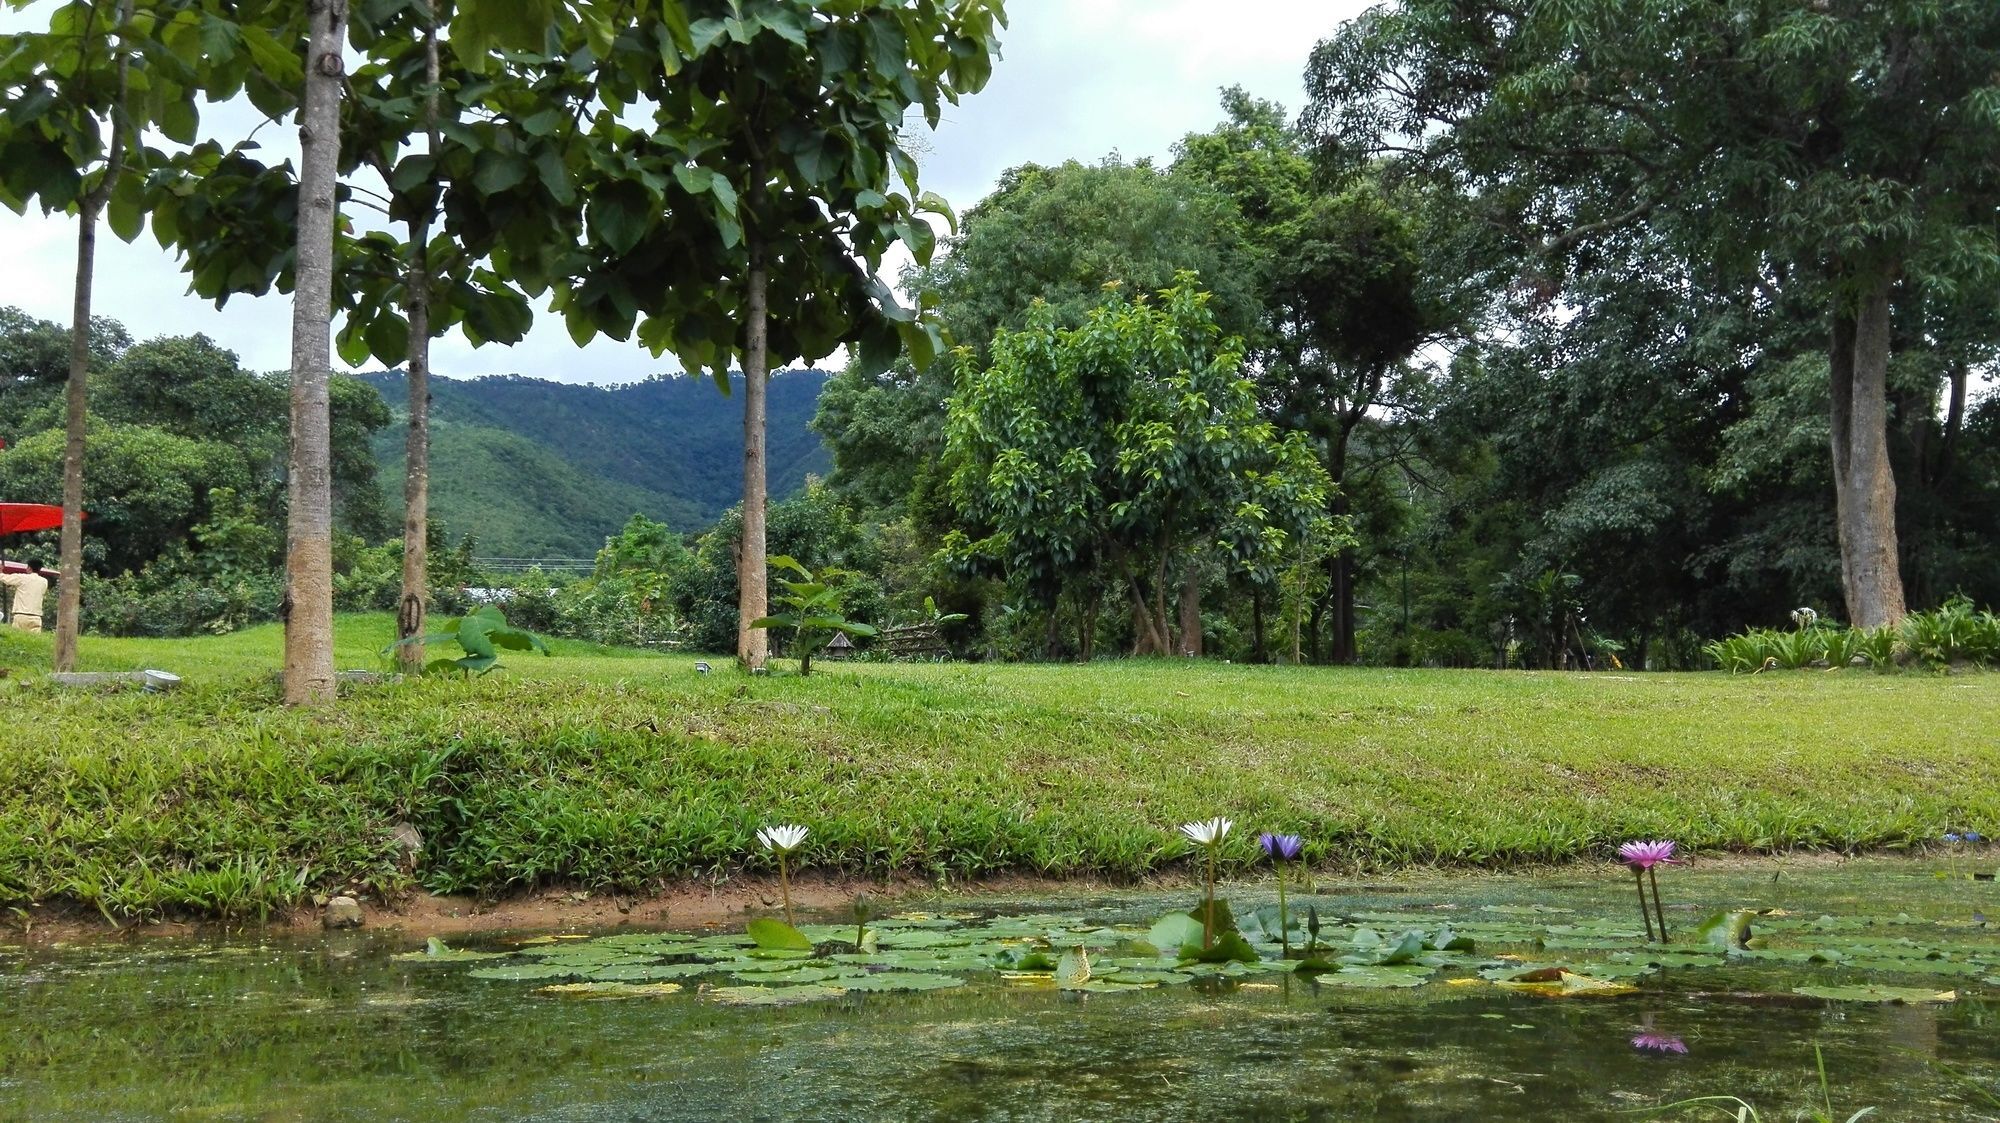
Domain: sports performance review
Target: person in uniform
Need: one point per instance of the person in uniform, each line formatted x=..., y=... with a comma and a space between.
x=26, y=593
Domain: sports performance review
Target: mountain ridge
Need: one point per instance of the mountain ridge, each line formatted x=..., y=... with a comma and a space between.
x=532, y=467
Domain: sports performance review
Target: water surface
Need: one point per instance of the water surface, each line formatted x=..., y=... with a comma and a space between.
x=332, y=1028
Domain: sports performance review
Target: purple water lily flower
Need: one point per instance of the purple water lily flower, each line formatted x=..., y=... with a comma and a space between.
x=1645, y=858
x=1281, y=847
x=1646, y=855
x=1658, y=1043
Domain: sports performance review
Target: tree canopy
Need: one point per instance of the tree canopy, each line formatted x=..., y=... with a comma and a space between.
x=1120, y=456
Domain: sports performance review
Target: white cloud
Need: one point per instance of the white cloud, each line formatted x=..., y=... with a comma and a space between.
x=1079, y=78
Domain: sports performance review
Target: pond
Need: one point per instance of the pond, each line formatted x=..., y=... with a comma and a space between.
x=651, y=1026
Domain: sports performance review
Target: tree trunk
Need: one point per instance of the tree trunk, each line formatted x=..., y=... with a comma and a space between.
x=417, y=372
x=309, y=528
x=416, y=471
x=752, y=592
x=1148, y=632
x=1340, y=575
x=75, y=426
x=1954, y=423
x=1340, y=567
x=76, y=413
x=1190, y=611
x=1864, y=486
x=1257, y=652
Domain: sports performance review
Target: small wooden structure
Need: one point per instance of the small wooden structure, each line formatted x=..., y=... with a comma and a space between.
x=839, y=647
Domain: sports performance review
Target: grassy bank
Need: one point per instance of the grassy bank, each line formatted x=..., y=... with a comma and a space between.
x=609, y=769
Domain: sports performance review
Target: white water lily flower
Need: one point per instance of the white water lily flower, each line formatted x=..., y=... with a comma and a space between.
x=783, y=840
x=1208, y=832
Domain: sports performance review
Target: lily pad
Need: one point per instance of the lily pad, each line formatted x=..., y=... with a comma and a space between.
x=796, y=975
x=771, y=996
x=610, y=990
x=1024, y=959
x=517, y=972
x=1371, y=950
x=776, y=935
x=897, y=980
x=1141, y=975
x=1899, y=996
x=1109, y=986
x=643, y=941
x=1727, y=929
x=1561, y=982
x=1375, y=977
x=628, y=972
x=1174, y=931
x=918, y=938
x=1261, y=925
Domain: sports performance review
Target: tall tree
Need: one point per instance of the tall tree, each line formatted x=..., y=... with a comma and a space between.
x=749, y=218
x=1343, y=308
x=309, y=521
x=66, y=88
x=1833, y=150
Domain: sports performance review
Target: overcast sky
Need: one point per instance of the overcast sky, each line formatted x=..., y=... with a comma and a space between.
x=1079, y=79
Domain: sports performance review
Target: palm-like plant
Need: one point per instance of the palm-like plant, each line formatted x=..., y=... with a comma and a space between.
x=813, y=609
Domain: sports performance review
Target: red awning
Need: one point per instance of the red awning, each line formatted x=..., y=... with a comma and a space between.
x=19, y=518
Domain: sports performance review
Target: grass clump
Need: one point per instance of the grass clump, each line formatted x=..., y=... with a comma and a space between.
x=608, y=770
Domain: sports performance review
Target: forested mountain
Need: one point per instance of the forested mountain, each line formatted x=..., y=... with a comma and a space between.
x=534, y=468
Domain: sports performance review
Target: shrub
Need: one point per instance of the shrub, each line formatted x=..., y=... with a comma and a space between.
x=1953, y=633
x=609, y=611
x=153, y=604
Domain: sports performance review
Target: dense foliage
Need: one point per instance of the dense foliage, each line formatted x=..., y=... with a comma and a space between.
x=183, y=442
x=1573, y=335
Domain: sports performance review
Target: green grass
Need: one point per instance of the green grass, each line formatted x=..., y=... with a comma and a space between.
x=606, y=768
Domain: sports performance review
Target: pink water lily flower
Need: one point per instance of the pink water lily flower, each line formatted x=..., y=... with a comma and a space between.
x=1646, y=855
x=1659, y=1043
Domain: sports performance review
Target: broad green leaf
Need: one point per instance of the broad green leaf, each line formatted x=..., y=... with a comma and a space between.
x=495, y=172
x=619, y=215
x=1726, y=929
x=125, y=210
x=1173, y=931
x=771, y=933
x=1228, y=946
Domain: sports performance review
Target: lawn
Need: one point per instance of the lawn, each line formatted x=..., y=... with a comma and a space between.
x=614, y=769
